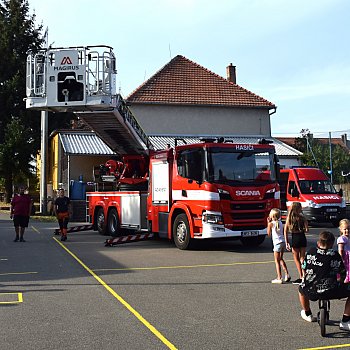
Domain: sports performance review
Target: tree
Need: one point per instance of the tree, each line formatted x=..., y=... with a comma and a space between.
x=18, y=34
x=317, y=154
x=15, y=156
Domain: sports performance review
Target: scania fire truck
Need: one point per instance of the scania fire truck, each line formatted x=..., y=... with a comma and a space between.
x=209, y=189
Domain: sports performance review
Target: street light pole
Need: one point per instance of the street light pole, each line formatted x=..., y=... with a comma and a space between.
x=330, y=156
x=43, y=166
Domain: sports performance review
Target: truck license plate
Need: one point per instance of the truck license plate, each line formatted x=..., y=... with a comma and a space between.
x=250, y=233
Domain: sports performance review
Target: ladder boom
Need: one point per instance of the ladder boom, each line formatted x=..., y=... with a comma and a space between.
x=82, y=80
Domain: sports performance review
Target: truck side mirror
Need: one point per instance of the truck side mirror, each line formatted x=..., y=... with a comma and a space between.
x=341, y=192
x=295, y=192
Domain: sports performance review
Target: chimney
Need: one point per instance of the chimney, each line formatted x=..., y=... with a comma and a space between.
x=231, y=73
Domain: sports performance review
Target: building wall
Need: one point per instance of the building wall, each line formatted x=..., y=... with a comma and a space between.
x=202, y=120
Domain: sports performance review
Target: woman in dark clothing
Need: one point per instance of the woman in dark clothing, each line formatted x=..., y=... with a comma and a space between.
x=297, y=225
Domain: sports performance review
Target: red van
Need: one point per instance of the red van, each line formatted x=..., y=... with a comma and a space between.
x=312, y=188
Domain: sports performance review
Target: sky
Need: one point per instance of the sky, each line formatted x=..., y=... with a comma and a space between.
x=294, y=53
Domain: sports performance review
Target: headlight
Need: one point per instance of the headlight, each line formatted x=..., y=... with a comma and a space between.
x=312, y=204
x=211, y=218
x=343, y=203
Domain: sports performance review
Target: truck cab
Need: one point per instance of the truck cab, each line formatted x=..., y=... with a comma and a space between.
x=312, y=188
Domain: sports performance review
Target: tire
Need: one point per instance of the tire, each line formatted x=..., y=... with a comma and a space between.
x=323, y=321
x=100, y=222
x=113, y=224
x=181, y=232
x=252, y=241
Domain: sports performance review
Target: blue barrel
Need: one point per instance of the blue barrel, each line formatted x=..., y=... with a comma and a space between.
x=77, y=189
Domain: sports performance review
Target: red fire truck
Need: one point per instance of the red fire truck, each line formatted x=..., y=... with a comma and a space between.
x=209, y=189
x=313, y=189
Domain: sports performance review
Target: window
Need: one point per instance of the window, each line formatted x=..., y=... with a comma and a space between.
x=190, y=164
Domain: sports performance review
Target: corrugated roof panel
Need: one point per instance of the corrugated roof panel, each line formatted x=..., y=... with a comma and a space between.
x=162, y=142
x=90, y=143
x=84, y=143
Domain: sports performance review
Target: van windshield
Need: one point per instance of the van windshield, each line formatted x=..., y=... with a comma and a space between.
x=316, y=186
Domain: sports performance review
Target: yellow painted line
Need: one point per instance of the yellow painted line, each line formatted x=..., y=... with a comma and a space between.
x=19, y=298
x=190, y=266
x=328, y=347
x=18, y=273
x=120, y=299
x=36, y=230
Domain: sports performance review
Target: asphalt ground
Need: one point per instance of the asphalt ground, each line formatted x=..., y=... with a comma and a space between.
x=80, y=294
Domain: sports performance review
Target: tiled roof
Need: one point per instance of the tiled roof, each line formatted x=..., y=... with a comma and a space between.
x=83, y=144
x=282, y=149
x=184, y=82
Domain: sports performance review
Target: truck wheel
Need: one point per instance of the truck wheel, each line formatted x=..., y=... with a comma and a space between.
x=252, y=241
x=100, y=222
x=113, y=223
x=181, y=232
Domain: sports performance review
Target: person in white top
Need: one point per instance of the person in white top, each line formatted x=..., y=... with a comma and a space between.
x=275, y=230
x=344, y=246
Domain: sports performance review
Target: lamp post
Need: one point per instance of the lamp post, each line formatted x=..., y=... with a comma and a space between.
x=330, y=157
x=43, y=167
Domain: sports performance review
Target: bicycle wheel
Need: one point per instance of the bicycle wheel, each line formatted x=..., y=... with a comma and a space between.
x=323, y=320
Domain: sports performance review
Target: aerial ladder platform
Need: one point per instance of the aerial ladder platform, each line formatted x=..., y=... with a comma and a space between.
x=82, y=80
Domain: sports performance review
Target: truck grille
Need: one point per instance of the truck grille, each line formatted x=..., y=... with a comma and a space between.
x=247, y=214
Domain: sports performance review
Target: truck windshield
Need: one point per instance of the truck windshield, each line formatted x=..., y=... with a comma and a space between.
x=226, y=165
x=316, y=186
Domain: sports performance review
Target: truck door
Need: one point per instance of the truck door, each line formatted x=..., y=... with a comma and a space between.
x=160, y=192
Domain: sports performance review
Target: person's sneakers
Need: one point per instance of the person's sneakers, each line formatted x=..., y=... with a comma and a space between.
x=16, y=239
x=277, y=281
x=62, y=238
x=344, y=325
x=22, y=240
x=309, y=318
x=287, y=278
x=297, y=281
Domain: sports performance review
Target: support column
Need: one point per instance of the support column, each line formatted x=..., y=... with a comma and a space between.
x=43, y=165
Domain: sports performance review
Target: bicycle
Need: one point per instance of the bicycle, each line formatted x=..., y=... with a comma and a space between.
x=324, y=306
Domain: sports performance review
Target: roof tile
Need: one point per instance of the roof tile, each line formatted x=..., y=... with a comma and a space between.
x=182, y=81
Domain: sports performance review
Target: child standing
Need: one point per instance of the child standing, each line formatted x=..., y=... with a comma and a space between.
x=297, y=225
x=344, y=246
x=275, y=230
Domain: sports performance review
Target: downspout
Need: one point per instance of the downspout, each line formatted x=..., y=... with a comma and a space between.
x=273, y=111
x=270, y=114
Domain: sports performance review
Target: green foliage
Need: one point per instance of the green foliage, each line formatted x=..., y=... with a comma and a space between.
x=316, y=153
x=19, y=128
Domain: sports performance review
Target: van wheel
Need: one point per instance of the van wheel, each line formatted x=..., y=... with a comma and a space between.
x=113, y=223
x=100, y=222
x=252, y=241
x=181, y=232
